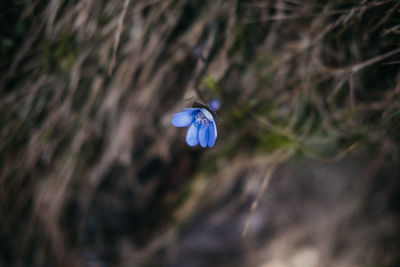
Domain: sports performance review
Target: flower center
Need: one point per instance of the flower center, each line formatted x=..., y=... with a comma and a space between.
x=201, y=119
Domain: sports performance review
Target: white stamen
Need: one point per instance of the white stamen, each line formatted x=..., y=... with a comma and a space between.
x=201, y=119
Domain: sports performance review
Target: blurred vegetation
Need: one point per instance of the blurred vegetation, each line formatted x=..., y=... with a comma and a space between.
x=87, y=88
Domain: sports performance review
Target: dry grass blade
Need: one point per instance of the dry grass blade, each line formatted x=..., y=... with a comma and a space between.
x=117, y=36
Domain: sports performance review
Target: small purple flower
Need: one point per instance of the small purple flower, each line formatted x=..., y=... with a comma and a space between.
x=202, y=128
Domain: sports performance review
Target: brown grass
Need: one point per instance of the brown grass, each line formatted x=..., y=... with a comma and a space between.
x=88, y=92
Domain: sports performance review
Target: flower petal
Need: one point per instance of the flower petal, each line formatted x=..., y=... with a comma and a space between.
x=190, y=109
x=207, y=114
x=212, y=134
x=182, y=119
x=203, y=136
x=192, y=135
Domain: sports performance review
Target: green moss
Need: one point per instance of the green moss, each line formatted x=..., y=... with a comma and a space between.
x=209, y=82
x=240, y=116
x=103, y=19
x=266, y=108
x=272, y=141
x=239, y=37
x=91, y=149
x=60, y=55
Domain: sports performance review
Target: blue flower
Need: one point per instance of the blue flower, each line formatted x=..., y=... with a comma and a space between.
x=214, y=105
x=202, y=128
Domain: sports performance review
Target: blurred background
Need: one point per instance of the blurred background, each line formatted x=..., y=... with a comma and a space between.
x=305, y=170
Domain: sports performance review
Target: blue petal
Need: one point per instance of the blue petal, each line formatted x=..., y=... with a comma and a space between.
x=192, y=136
x=191, y=109
x=203, y=136
x=212, y=134
x=182, y=119
x=207, y=114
